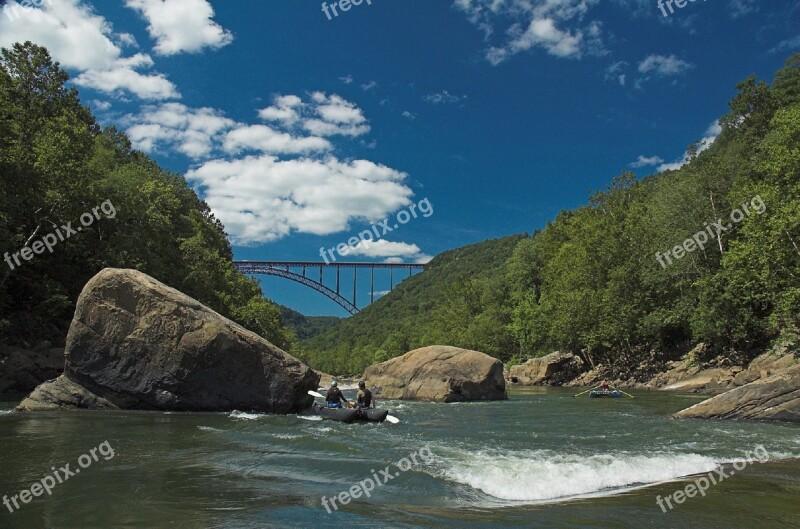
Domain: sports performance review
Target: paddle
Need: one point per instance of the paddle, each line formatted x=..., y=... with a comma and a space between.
x=390, y=418
x=628, y=394
x=583, y=392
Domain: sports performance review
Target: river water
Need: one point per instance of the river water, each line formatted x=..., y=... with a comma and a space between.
x=542, y=459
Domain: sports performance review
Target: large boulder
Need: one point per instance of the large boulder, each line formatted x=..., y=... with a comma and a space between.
x=555, y=368
x=776, y=397
x=136, y=343
x=439, y=373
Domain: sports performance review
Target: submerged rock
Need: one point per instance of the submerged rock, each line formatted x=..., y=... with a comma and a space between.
x=439, y=373
x=776, y=397
x=553, y=369
x=136, y=343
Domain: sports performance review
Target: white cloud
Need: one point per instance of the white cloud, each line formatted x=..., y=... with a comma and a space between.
x=292, y=184
x=369, y=86
x=347, y=79
x=205, y=132
x=265, y=139
x=410, y=116
x=710, y=137
x=262, y=199
x=181, y=25
x=664, y=65
x=190, y=131
x=536, y=24
x=123, y=77
x=395, y=252
x=284, y=110
x=646, y=161
x=443, y=97
x=84, y=41
x=75, y=36
x=335, y=116
x=101, y=105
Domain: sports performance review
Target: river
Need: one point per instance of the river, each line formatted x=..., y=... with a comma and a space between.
x=542, y=459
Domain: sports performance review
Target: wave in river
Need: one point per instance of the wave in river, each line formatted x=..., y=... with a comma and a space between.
x=244, y=415
x=539, y=476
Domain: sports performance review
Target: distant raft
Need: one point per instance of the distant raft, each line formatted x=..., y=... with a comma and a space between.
x=605, y=394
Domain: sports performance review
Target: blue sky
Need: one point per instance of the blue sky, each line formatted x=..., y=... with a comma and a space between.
x=300, y=130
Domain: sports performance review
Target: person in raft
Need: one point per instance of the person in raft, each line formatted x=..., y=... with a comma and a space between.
x=364, y=396
x=604, y=385
x=334, y=398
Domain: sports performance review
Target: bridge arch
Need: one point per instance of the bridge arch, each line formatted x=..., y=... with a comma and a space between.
x=298, y=271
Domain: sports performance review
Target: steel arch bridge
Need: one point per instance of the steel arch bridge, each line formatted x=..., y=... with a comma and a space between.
x=298, y=271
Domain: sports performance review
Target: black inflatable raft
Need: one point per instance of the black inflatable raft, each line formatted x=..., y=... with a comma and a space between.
x=349, y=415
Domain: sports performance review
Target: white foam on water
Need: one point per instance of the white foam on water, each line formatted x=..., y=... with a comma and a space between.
x=5, y=412
x=310, y=417
x=541, y=476
x=247, y=416
x=285, y=436
x=208, y=429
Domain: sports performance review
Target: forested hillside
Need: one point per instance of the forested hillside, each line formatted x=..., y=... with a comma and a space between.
x=56, y=164
x=460, y=299
x=616, y=280
x=305, y=327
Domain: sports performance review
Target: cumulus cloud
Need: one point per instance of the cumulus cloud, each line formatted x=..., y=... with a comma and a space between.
x=266, y=182
x=262, y=198
x=74, y=34
x=395, y=252
x=335, y=116
x=122, y=77
x=174, y=126
x=181, y=25
x=555, y=26
x=81, y=40
x=266, y=139
x=204, y=132
x=284, y=110
x=710, y=137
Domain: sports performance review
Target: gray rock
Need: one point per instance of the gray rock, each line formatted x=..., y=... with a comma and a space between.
x=136, y=343
x=439, y=373
x=545, y=370
x=776, y=397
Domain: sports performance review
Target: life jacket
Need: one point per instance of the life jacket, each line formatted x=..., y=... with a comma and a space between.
x=334, y=395
x=365, y=397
